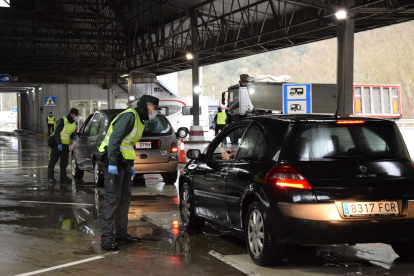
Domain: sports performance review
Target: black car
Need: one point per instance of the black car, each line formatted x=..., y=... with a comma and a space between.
x=303, y=179
x=156, y=152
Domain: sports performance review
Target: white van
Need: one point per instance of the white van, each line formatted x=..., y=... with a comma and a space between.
x=178, y=111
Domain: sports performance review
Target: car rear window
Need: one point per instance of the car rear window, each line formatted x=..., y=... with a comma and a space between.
x=157, y=127
x=324, y=142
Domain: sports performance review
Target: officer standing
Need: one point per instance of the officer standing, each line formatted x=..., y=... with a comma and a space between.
x=221, y=120
x=125, y=130
x=50, y=123
x=64, y=131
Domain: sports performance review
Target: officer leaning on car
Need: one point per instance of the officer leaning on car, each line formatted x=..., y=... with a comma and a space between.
x=65, y=129
x=118, y=154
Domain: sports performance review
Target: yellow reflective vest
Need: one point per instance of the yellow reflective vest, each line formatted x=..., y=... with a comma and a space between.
x=67, y=131
x=221, y=118
x=50, y=120
x=127, y=144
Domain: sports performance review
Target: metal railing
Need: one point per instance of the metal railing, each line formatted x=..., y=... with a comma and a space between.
x=405, y=122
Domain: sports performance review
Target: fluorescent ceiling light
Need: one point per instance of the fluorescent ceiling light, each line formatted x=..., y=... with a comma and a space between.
x=197, y=89
x=189, y=56
x=124, y=75
x=341, y=15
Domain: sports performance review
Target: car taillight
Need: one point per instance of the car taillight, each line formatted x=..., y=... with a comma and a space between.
x=174, y=147
x=350, y=122
x=159, y=144
x=286, y=176
x=412, y=165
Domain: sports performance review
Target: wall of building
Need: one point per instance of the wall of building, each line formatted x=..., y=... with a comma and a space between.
x=33, y=113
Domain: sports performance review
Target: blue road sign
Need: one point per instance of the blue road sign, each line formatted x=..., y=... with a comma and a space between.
x=5, y=78
x=50, y=101
x=297, y=98
x=14, y=109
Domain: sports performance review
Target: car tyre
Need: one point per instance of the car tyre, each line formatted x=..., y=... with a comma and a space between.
x=76, y=172
x=404, y=249
x=98, y=176
x=170, y=178
x=262, y=249
x=139, y=180
x=188, y=218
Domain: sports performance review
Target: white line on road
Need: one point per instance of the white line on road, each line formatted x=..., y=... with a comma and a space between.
x=64, y=203
x=61, y=266
x=236, y=266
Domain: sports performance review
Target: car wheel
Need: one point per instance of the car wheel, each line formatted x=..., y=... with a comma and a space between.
x=170, y=178
x=404, y=249
x=98, y=177
x=262, y=249
x=188, y=217
x=139, y=180
x=76, y=172
x=182, y=132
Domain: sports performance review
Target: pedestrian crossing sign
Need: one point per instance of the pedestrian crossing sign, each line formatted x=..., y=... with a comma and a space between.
x=50, y=101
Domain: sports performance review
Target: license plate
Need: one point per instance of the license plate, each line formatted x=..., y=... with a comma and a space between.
x=383, y=208
x=143, y=145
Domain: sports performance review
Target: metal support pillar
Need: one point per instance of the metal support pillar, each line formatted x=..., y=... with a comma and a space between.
x=131, y=84
x=345, y=70
x=195, y=75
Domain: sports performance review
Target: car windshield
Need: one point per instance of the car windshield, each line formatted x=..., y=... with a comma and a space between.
x=157, y=127
x=324, y=142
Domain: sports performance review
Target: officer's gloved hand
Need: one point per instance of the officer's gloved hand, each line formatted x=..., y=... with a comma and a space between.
x=113, y=169
x=60, y=147
x=132, y=171
x=75, y=138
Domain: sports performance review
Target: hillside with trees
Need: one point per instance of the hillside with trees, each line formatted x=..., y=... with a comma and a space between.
x=382, y=56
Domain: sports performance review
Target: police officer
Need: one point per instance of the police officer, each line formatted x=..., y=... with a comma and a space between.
x=221, y=120
x=50, y=123
x=125, y=130
x=65, y=129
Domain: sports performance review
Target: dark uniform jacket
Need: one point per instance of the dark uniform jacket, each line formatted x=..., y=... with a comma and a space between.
x=121, y=128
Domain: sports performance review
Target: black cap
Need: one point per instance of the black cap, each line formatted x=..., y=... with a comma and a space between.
x=151, y=99
x=74, y=111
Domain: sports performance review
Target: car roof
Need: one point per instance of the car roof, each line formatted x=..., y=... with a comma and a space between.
x=110, y=111
x=310, y=118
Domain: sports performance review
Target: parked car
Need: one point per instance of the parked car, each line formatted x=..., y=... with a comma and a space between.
x=156, y=152
x=304, y=179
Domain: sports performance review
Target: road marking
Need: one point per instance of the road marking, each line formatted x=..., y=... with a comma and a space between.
x=236, y=266
x=64, y=203
x=61, y=266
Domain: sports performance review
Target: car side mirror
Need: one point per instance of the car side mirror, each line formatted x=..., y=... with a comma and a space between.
x=194, y=154
x=181, y=133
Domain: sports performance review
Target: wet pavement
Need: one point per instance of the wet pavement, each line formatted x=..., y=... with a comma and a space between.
x=55, y=231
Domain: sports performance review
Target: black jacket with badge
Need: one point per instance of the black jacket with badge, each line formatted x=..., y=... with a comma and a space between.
x=121, y=128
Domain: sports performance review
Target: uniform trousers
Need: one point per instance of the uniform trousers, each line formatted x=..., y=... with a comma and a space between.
x=114, y=222
x=55, y=155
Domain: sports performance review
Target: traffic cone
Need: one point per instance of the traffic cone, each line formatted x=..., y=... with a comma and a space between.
x=182, y=159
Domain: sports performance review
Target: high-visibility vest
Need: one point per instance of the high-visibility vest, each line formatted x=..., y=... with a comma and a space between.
x=50, y=120
x=127, y=144
x=67, y=131
x=221, y=118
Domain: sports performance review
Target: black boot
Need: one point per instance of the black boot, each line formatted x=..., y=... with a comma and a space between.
x=128, y=239
x=65, y=180
x=52, y=181
x=109, y=244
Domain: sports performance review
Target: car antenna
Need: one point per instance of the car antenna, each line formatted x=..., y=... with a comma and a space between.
x=337, y=105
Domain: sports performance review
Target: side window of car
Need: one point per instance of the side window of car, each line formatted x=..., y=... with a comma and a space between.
x=254, y=145
x=102, y=124
x=85, y=127
x=95, y=125
x=228, y=144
